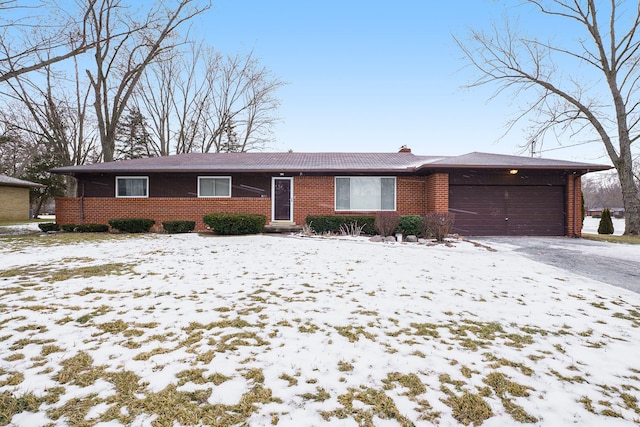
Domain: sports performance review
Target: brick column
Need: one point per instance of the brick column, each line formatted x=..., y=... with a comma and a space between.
x=574, y=206
x=437, y=192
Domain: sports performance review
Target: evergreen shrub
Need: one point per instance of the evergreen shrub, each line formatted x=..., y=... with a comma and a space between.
x=332, y=223
x=178, y=226
x=92, y=228
x=132, y=225
x=606, y=225
x=410, y=225
x=85, y=228
x=234, y=224
x=386, y=223
x=48, y=226
x=68, y=227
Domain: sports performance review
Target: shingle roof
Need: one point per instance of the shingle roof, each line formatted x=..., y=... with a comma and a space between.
x=320, y=162
x=488, y=160
x=15, y=182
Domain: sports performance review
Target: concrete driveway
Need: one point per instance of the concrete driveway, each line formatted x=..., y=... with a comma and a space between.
x=615, y=264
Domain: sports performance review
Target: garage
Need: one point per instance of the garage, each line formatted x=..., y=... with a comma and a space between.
x=508, y=210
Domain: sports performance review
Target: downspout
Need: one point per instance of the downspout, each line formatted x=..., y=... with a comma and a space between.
x=82, y=205
x=575, y=202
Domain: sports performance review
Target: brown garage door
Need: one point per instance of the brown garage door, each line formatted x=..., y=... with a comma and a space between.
x=507, y=210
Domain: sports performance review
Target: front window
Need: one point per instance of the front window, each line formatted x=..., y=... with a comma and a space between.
x=214, y=186
x=132, y=186
x=365, y=193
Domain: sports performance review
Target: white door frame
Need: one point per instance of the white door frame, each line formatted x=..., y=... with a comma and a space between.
x=273, y=198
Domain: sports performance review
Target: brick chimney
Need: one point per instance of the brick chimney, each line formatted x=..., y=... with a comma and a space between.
x=404, y=149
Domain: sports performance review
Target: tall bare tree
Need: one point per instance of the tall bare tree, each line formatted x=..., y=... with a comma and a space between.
x=584, y=86
x=199, y=100
x=120, y=60
x=602, y=191
x=50, y=118
x=29, y=30
x=244, y=103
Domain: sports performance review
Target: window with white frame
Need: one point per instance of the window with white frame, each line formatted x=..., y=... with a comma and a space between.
x=365, y=193
x=132, y=186
x=214, y=186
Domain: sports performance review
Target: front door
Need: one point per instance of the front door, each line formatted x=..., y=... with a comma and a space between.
x=282, y=196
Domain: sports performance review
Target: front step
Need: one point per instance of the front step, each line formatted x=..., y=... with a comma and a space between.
x=282, y=227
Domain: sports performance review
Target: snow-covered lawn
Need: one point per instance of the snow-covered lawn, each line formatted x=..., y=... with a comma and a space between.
x=265, y=330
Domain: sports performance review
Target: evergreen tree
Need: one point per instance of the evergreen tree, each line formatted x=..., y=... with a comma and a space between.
x=133, y=137
x=606, y=225
x=37, y=170
x=230, y=142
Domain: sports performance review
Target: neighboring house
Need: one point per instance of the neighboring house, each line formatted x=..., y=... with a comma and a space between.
x=14, y=198
x=489, y=194
x=615, y=212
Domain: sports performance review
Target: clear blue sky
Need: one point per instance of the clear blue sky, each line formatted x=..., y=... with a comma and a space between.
x=375, y=75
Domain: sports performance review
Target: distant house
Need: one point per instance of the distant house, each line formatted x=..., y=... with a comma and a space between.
x=490, y=194
x=14, y=198
x=597, y=212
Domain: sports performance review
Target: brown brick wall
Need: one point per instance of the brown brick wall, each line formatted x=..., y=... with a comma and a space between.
x=101, y=210
x=14, y=203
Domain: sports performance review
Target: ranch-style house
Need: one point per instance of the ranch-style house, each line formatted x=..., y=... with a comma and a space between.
x=490, y=194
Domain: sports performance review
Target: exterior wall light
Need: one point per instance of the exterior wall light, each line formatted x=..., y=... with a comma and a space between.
x=513, y=171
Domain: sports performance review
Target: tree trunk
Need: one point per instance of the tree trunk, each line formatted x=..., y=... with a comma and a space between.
x=630, y=196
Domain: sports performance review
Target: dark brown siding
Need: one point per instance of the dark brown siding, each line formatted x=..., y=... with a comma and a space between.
x=503, y=177
x=174, y=185
x=492, y=210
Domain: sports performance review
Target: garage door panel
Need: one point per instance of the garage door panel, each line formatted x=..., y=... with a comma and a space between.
x=504, y=210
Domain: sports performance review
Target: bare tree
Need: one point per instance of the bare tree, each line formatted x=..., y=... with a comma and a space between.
x=28, y=31
x=602, y=191
x=51, y=118
x=14, y=150
x=199, y=100
x=121, y=60
x=600, y=94
x=244, y=103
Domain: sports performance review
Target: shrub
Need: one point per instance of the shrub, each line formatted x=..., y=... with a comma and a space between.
x=132, y=225
x=606, y=225
x=92, y=228
x=410, y=225
x=233, y=224
x=178, y=226
x=48, y=226
x=332, y=223
x=437, y=225
x=386, y=223
x=85, y=228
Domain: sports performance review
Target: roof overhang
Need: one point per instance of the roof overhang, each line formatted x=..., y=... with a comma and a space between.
x=325, y=163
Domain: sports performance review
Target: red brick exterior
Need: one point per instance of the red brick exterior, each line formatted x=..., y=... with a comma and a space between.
x=101, y=210
x=574, y=206
x=313, y=195
x=438, y=189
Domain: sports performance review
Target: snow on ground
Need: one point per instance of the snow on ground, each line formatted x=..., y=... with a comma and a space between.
x=267, y=330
